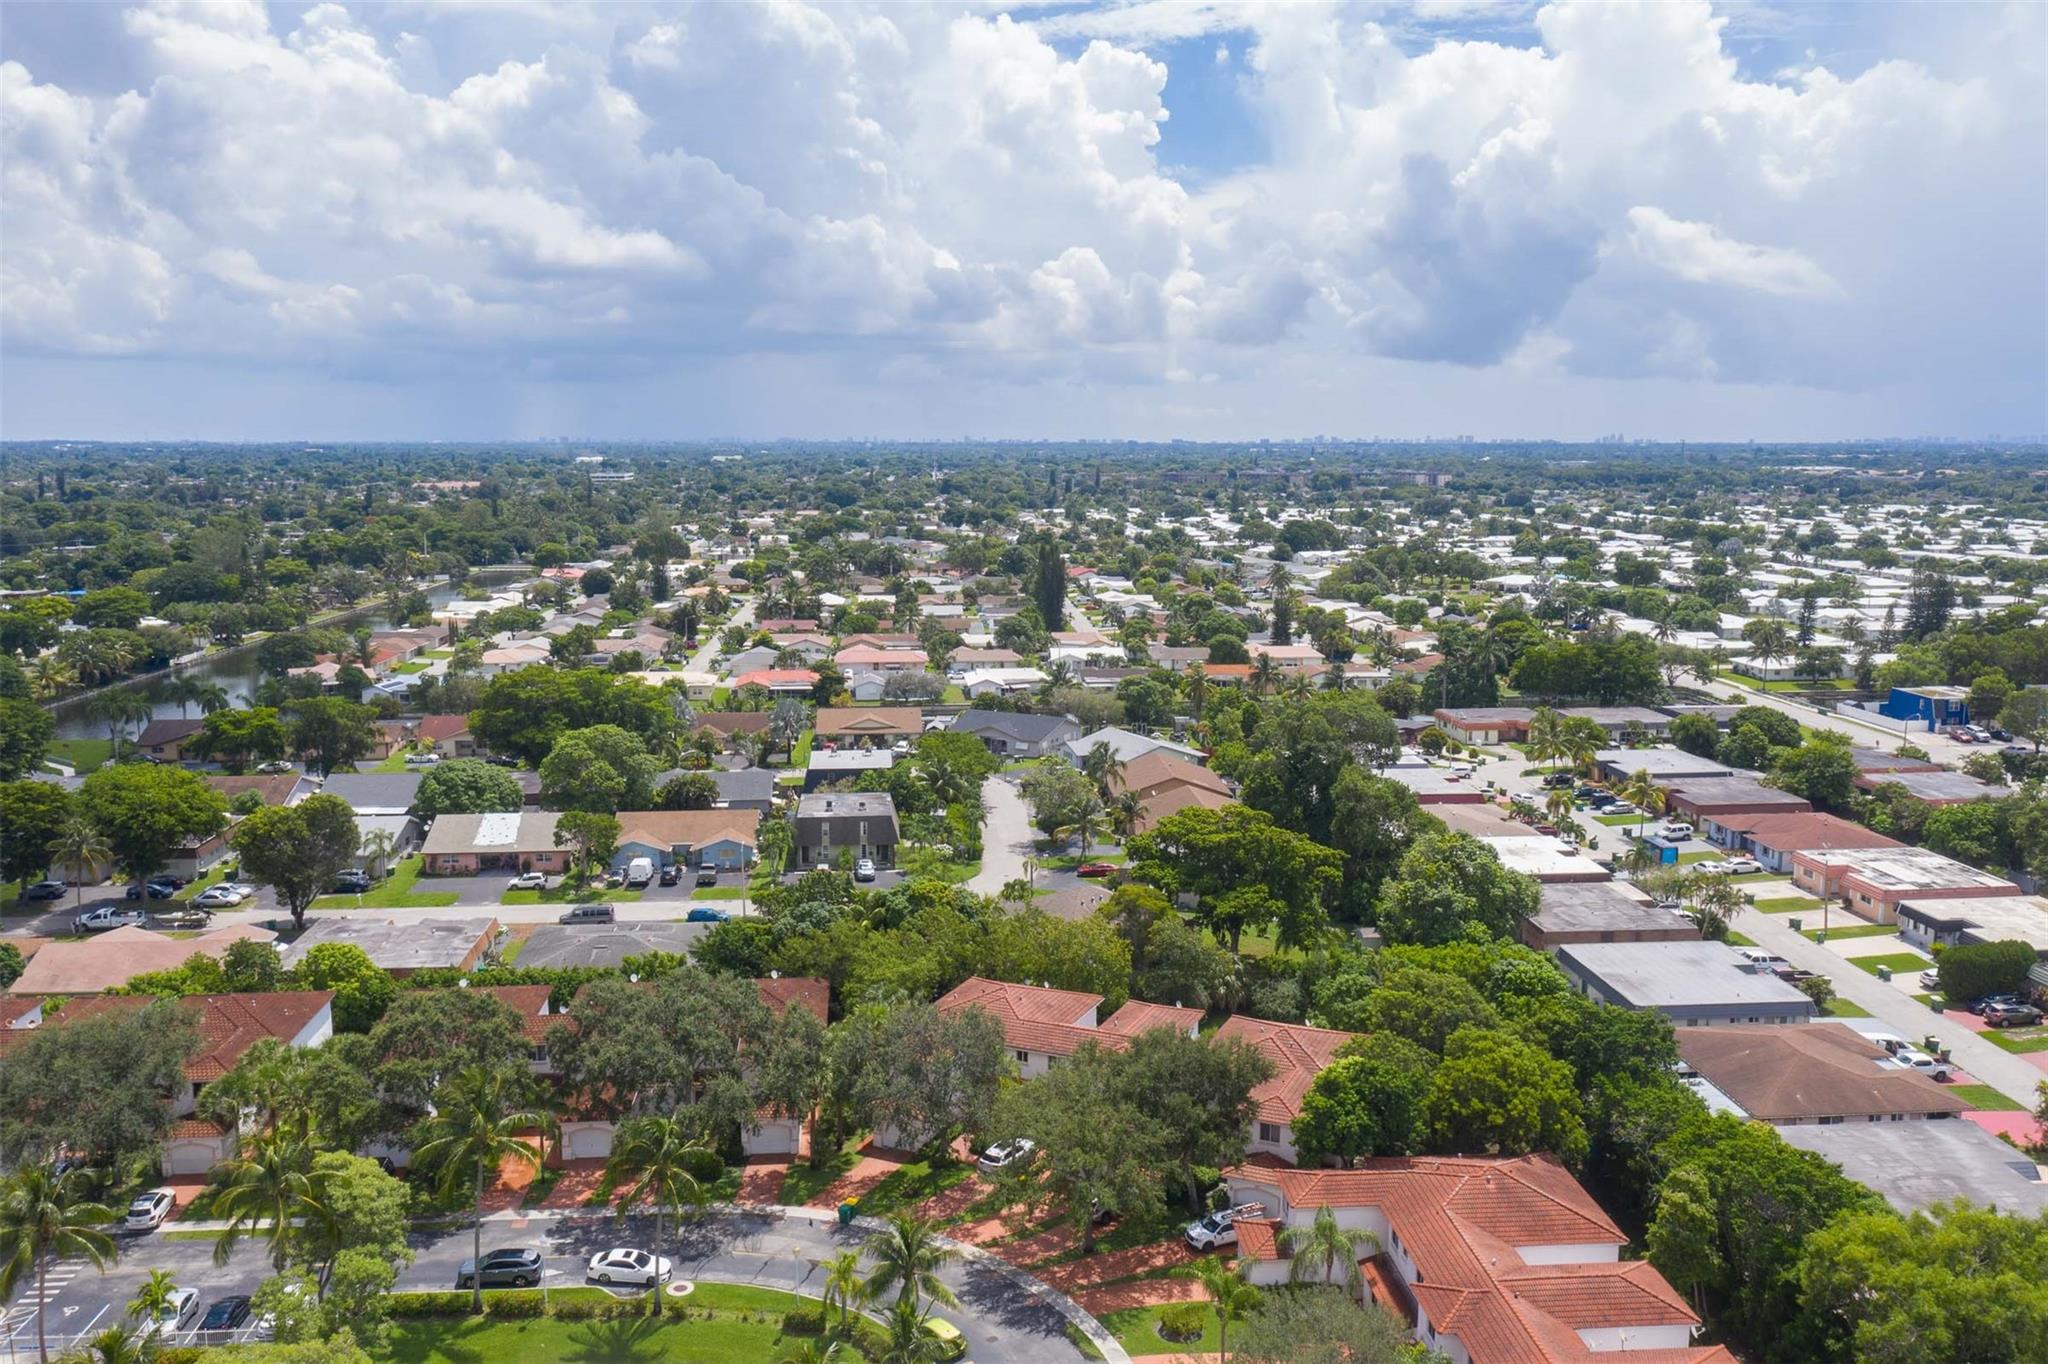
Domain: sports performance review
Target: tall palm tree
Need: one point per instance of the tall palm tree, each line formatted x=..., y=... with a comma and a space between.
x=1125, y=812
x=1645, y=795
x=905, y=1340
x=1558, y=804
x=1324, y=1252
x=210, y=697
x=119, y=708
x=1198, y=690
x=376, y=849
x=654, y=1158
x=50, y=676
x=478, y=1123
x=1546, y=735
x=1102, y=766
x=79, y=847
x=1230, y=1296
x=268, y=1189
x=908, y=1258
x=44, y=1217
x=1265, y=675
x=153, y=1296
x=843, y=1286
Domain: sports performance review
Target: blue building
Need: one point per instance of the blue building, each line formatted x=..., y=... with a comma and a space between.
x=1933, y=707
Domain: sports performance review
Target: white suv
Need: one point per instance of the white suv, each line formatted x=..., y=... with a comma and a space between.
x=1219, y=1227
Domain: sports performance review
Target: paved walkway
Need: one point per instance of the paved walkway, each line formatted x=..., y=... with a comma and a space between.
x=761, y=1180
x=2012, y=1076
x=871, y=1169
x=1006, y=837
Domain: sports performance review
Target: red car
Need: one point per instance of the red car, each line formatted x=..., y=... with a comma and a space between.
x=1096, y=869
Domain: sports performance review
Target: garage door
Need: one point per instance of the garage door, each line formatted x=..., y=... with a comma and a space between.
x=593, y=1142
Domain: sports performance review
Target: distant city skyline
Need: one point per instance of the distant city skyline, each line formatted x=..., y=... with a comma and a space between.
x=1210, y=220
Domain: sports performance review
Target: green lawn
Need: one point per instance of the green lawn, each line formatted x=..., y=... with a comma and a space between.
x=1855, y=931
x=744, y=1324
x=1620, y=821
x=953, y=696
x=82, y=755
x=908, y=1186
x=1688, y=859
x=1986, y=1098
x=802, y=1183
x=1735, y=939
x=393, y=892
x=2017, y=1039
x=1758, y=878
x=1073, y=860
x=1137, y=1330
x=418, y=665
x=1843, y=1008
x=1786, y=904
x=719, y=893
x=800, y=751
x=1898, y=961
x=394, y=763
x=192, y=888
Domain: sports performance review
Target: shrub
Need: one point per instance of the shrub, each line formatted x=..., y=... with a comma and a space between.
x=516, y=1303
x=1183, y=1322
x=804, y=1321
x=1973, y=970
x=441, y=1304
x=587, y=1309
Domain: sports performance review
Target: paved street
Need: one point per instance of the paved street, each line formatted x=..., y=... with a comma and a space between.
x=1004, y=1321
x=2010, y=1075
x=1006, y=836
x=1878, y=733
x=707, y=649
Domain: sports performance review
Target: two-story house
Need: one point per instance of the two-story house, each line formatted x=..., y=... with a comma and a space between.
x=859, y=823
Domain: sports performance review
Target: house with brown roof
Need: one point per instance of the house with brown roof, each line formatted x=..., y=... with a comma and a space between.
x=165, y=739
x=1493, y=1261
x=865, y=658
x=111, y=960
x=725, y=839
x=779, y=681
x=1703, y=798
x=1299, y=1054
x=1772, y=839
x=449, y=735
x=1166, y=783
x=272, y=788
x=875, y=724
x=1044, y=1025
x=1821, y=1074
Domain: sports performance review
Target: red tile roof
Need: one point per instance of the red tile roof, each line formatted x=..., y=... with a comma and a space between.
x=530, y=1002
x=1298, y=1055
x=228, y=1024
x=1138, y=1016
x=1037, y=1018
x=438, y=727
x=780, y=993
x=1805, y=830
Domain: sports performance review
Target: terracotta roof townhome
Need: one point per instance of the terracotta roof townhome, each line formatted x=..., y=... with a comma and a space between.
x=1298, y=1054
x=1041, y=1024
x=228, y=1024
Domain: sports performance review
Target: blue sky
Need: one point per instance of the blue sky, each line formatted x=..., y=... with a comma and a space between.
x=1199, y=218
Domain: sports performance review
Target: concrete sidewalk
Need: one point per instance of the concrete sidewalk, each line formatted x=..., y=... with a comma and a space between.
x=2012, y=1076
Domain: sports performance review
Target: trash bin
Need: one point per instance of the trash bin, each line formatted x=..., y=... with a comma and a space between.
x=847, y=1212
x=1884, y=973
x=1794, y=921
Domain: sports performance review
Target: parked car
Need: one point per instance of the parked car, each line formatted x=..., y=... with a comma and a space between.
x=507, y=1267
x=1960, y=735
x=704, y=914
x=706, y=876
x=1995, y=732
x=1919, y=1060
x=1004, y=1154
x=45, y=890
x=639, y=872
x=1557, y=779
x=529, y=880
x=275, y=767
x=157, y=888
x=624, y=1264
x=947, y=1342
x=1761, y=960
x=183, y=917
x=226, y=895
x=672, y=873
x=1618, y=807
x=1096, y=869
x=1979, y=1006
x=149, y=1210
x=1675, y=828
x=226, y=1314
x=427, y=759
x=107, y=917
x=1930, y=979
x=1218, y=1229
x=864, y=870
x=590, y=914
x=183, y=1303
x=2012, y=1015
x=1742, y=866
x=354, y=881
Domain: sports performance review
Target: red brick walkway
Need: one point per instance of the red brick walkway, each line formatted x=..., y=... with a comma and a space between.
x=1116, y=1297
x=761, y=1179
x=1119, y=1264
x=578, y=1181
x=871, y=1169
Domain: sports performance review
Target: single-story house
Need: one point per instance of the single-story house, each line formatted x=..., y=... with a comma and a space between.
x=1702, y=798
x=751, y=660
x=1491, y=1260
x=165, y=739
x=867, y=687
x=1129, y=747
x=964, y=660
x=882, y=725
x=562, y=945
x=728, y=724
x=1486, y=724
x=401, y=946
x=521, y=841
x=1818, y=1075
x=1916, y=1166
x=862, y=658
x=449, y=735
x=1298, y=1054
x=1695, y=984
x=272, y=788
x=1179, y=658
x=1533, y=855
x=1931, y=708
x=723, y=839
x=1872, y=882
x=375, y=793
x=1927, y=920
x=860, y=824
x=1665, y=765
x=1577, y=912
x=199, y=854
x=1935, y=788
x=749, y=788
x=980, y=682
x=779, y=681
x=1772, y=839
x=1009, y=735
x=112, y=959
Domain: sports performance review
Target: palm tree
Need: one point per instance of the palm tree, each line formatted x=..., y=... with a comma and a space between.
x=1265, y=675
x=269, y=1187
x=44, y=1217
x=653, y=1159
x=377, y=847
x=1198, y=689
x=908, y=1258
x=1102, y=766
x=1558, y=804
x=1230, y=1296
x=50, y=676
x=1645, y=795
x=812, y=1352
x=116, y=1346
x=843, y=1286
x=210, y=697
x=119, y=707
x=1125, y=812
x=1324, y=1252
x=79, y=847
x=905, y=1340
x=1086, y=820
x=1546, y=735
x=153, y=1296
x=476, y=1126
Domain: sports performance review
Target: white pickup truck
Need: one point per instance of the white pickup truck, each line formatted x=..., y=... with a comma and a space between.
x=1218, y=1228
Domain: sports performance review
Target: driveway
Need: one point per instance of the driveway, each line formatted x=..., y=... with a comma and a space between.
x=1006, y=837
x=708, y=650
x=2011, y=1075
x=1006, y=1316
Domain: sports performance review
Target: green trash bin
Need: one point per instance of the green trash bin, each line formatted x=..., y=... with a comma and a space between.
x=1794, y=921
x=847, y=1212
x=1884, y=973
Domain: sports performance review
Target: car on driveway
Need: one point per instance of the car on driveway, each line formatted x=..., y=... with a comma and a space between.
x=157, y=888
x=223, y=896
x=1004, y=1154
x=707, y=876
x=627, y=1265
x=354, y=881
x=1096, y=869
x=864, y=870
x=704, y=914
x=184, y=1302
x=421, y=759
x=149, y=1210
x=1979, y=1005
x=1741, y=866
x=1930, y=979
x=2011, y=1015
x=45, y=890
x=108, y=917
x=1915, y=1059
x=529, y=880
x=506, y=1267
x=671, y=874
x=226, y=1314
x=1677, y=829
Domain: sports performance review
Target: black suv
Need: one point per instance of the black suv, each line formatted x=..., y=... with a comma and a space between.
x=511, y=1267
x=226, y=1315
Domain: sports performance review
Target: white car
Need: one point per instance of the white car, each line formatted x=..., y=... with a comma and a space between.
x=530, y=880
x=1218, y=1229
x=1922, y=1062
x=223, y=896
x=864, y=870
x=421, y=759
x=1004, y=1154
x=1674, y=829
x=1741, y=866
x=623, y=1264
x=184, y=1302
x=149, y=1210
x=106, y=917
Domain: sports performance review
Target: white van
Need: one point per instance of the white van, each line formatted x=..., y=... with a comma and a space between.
x=639, y=871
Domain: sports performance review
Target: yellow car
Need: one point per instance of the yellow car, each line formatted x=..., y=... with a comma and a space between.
x=951, y=1343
